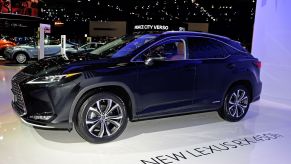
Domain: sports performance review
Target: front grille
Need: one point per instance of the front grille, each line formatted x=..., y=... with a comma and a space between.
x=18, y=98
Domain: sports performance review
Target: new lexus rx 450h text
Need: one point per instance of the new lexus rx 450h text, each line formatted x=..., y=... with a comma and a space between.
x=138, y=77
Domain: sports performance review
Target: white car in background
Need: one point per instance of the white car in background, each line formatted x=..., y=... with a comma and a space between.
x=23, y=53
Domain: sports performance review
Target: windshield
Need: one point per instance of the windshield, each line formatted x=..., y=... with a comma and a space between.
x=123, y=46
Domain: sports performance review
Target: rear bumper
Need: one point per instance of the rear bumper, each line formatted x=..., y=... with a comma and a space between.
x=257, y=92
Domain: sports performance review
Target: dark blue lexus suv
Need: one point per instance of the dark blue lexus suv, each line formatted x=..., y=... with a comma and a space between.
x=138, y=77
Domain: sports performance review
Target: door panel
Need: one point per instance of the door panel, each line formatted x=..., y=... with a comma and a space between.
x=211, y=77
x=166, y=86
x=51, y=50
x=212, y=72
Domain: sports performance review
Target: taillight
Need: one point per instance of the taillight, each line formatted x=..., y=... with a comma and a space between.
x=258, y=64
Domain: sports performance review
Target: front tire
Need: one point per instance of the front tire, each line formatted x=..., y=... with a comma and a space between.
x=101, y=118
x=21, y=58
x=236, y=104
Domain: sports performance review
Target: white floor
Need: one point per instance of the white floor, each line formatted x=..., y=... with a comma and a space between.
x=154, y=141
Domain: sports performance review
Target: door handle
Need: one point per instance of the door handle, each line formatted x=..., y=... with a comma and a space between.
x=231, y=65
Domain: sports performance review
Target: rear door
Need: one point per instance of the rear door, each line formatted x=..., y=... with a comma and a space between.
x=51, y=50
x=213, y=71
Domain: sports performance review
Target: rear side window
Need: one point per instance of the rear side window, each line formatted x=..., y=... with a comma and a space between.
x=205, y=48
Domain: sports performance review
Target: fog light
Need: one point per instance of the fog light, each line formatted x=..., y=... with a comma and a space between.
x=39, y=117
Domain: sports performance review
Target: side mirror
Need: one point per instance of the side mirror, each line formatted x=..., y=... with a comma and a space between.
x=151, y=60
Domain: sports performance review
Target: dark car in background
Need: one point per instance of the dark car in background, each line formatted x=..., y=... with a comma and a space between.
x=136, y=78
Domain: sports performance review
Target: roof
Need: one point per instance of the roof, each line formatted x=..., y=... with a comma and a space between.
x=204, y=34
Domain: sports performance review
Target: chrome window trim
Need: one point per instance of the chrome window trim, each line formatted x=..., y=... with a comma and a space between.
x=189, y=59
x=187, y=54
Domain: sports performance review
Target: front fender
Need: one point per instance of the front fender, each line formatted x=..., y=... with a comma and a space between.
x=88, y=88
x=18, y=50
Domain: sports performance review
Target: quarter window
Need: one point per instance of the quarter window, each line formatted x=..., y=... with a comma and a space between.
x=204, y=48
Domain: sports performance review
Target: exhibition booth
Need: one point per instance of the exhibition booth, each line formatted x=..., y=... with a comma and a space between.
x=262, y=136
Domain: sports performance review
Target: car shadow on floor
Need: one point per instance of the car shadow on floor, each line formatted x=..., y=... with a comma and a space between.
x=14, y=63
x=137, y=128
x=143, y=127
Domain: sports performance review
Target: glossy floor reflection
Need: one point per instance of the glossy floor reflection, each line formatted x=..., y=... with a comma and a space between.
x=150, y=140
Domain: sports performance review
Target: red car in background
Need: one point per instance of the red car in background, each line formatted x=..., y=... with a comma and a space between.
x=5, y=44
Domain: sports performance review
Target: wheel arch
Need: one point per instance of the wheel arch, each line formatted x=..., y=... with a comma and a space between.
x=21, y=51
x=246, y=83
x=117, y=88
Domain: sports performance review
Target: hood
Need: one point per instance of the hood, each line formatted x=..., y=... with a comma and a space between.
x=24, y=46
x=58, y=65
x=6, y=42
x=46, y=66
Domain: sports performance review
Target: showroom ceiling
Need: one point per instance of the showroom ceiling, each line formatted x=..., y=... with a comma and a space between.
x=159, y=10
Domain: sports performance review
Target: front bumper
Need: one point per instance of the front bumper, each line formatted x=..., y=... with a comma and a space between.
x=8, y=55
x=39, y=124
x=41, y=105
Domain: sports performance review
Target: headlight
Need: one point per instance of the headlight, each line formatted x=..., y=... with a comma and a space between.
x=51, y=79
x=9, y=49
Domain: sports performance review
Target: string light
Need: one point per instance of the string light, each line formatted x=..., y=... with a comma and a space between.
x=183, y=10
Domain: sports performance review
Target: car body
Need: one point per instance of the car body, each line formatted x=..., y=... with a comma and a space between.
x=23, y=53
x=84, y=48
x=144, y=77
x=5, y=44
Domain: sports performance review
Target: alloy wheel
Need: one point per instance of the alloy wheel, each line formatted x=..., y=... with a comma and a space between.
x=238, y=103
x=21, y=58
x=104, y=118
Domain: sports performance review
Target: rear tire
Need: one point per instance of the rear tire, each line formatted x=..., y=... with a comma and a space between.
x=101, y=118
x=236, y=104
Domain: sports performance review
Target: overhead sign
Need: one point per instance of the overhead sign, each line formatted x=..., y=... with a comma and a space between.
x=151, y=27
x=59, y=23
x=46, y=28
x=108, y=28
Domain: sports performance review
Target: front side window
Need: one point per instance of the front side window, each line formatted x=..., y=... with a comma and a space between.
x=170, y=50
x=205, y=48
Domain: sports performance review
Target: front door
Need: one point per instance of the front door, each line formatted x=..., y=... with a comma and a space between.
x=166, y=86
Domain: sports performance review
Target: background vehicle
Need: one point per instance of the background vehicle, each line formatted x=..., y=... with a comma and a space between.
x=23, y=53
x=84, y=48
x=137, y=78
x=5, y=44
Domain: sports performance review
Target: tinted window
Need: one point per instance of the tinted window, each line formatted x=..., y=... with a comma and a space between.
x=204, y=48
x=233, y=51
x=171, y=50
